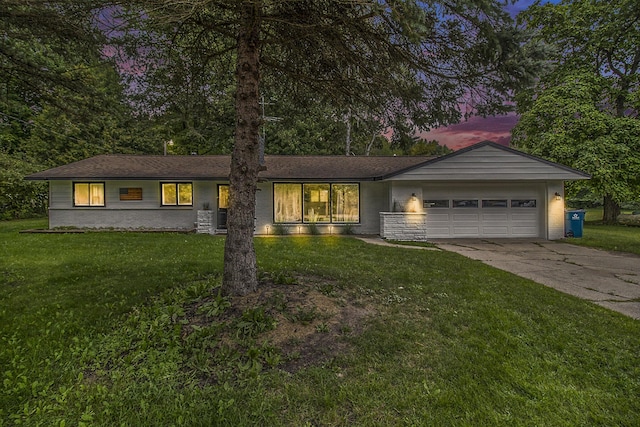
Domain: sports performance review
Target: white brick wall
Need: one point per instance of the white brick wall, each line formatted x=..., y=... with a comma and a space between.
x=404, y=226
x=205, y=222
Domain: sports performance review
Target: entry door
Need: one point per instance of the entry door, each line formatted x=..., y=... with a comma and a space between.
x=223, y=205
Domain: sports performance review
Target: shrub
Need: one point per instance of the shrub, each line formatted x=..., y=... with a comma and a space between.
x=313, y=229
x=20, y=198
x=629, y=219
x=280, y=230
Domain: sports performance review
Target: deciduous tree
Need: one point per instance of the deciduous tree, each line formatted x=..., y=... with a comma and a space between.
x=584, y=111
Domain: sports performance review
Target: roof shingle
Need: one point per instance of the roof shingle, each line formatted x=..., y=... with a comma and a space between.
x=217, y=167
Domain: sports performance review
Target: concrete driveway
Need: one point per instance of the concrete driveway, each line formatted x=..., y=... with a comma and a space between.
x=608, y=279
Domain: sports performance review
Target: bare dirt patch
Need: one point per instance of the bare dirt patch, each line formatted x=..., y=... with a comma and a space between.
x=310, y=320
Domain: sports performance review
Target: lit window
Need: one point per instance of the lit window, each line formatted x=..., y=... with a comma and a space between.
x=345, y=200
x=177, y=194
x=316, y=202
x=88, y=194
x=287, y=202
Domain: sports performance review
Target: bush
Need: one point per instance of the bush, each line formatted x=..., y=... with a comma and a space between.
x=280, y=230
x=629, y=219
x=20, y=198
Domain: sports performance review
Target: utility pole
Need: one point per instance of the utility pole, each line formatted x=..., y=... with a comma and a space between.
x=265, y=119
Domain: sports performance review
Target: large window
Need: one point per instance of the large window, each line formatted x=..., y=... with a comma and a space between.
x=287, y=202
x=316, y=203
x=88, y=194
x=345, y=202
x=177, y=194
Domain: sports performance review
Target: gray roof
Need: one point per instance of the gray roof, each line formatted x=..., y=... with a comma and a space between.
x=217, y=167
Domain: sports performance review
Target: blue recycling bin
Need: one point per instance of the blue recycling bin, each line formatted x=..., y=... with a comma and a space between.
x=573, y=223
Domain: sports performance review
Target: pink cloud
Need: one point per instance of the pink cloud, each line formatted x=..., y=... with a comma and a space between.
x=476, y=129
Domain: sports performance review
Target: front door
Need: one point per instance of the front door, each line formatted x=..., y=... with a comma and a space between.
x=223, y=205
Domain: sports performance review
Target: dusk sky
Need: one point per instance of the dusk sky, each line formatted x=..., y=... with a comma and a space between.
x=476, y=129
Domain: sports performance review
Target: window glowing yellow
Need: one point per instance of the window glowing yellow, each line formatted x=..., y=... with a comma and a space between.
x=177, y=194
x=88, y=194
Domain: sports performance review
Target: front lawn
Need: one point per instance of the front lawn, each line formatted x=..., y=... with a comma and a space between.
x=128, y=329
x=617, y=238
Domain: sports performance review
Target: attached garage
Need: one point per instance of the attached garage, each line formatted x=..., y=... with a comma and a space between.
x=490, y=210
x=486, y=190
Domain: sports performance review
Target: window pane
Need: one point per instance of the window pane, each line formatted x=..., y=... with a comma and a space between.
x=97, y=194
x=185, y=194
x=316, y=202
x=494, y=203
x=524, y=203
x=465, y=203
x=169, y=195
x=345, y=199
x=287, y=202
x=81, y=194
x=435, y=203
x=223, y=196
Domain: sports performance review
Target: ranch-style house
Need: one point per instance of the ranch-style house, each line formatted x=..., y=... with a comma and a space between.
x=485, y=190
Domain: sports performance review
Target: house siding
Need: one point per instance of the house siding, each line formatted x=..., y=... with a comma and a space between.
x=487, y=164
x=131, y=214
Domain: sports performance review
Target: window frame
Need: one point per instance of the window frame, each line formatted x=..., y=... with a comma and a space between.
x=436, y=204
x=176, y=185
x=518, y=203
x=89, y=204
x=456, y=204
x=331, y=204
x=495, y=203
x=301, y=200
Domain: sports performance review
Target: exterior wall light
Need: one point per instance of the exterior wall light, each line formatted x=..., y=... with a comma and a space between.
x=558, y=196
x=413, y=205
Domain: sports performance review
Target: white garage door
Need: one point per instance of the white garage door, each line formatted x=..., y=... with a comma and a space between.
x=483, y=217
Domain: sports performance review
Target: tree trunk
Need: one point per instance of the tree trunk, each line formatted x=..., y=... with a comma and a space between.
x=240, y=271
x=611, y=210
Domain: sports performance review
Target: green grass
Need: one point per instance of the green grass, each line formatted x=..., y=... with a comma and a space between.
x=610, y=237
x=91, y=333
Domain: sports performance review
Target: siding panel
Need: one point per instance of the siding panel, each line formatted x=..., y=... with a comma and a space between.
x=487, y=164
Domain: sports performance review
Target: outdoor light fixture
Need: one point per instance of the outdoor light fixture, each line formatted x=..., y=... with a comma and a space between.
x=558, y=196
x=267, y=230
x=413, y=205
